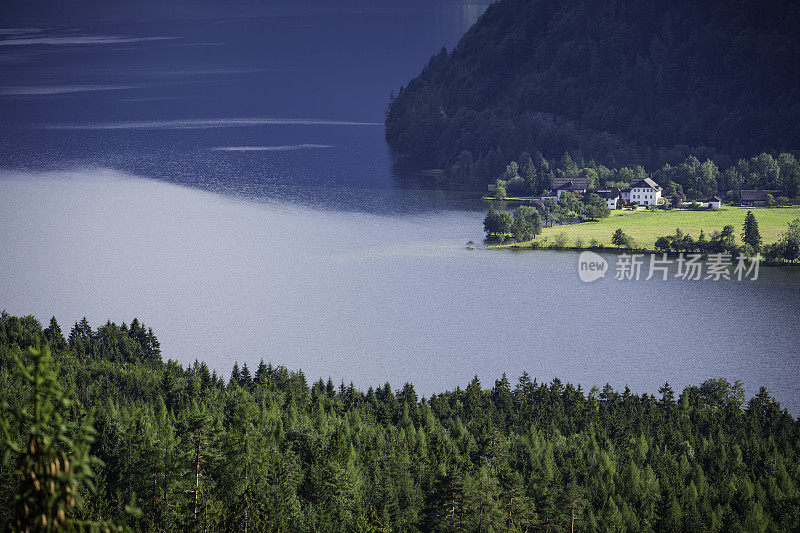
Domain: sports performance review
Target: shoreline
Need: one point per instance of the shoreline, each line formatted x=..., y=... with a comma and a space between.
x=533, y=245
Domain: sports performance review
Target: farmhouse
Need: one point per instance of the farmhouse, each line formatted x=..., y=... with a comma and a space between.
x=575, y=188
x=611, y=196
x=758, y=197
x=577, y=184
x=645, y=192
x=714, y=202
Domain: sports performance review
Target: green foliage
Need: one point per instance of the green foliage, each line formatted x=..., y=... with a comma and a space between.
x=750, y=233
x=788, y=247
x=497, y=223
x=621, y=240
x=280, y=455
x=527, y=223
x=663, y=244
x=560, y=241
x=596, y=207
x=639, y=84
x=49, y=452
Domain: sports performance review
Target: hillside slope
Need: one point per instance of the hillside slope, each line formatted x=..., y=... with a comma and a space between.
x=620, y=81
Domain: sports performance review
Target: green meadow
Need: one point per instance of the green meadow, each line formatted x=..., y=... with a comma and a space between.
x=646, y=226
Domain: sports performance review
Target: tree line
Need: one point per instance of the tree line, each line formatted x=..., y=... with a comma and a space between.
x=126, y=440
x=526, y=222
x=786, y=249
x=690, y=180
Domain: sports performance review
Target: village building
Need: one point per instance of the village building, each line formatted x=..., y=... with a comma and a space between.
x=714, y=202
x=758, y=197
x=571, y=187
x=549, y=195
x=611, y=196
x=575, y=184
x=645, y=192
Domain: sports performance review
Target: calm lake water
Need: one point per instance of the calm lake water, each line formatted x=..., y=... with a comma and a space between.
x=225, y=179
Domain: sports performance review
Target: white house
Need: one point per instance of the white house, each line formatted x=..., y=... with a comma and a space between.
x=611, y=196
x=715, y=202
x=645, y=192
x=625, y=194
x=549, y=195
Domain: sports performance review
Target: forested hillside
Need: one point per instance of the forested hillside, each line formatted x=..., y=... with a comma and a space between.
x=183, y=450
x=623, y=82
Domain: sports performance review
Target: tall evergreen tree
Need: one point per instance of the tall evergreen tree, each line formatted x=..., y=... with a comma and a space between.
x=750, y=233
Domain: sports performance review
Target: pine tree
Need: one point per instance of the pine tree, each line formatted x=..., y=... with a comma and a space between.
x=237, y=469
x=261, y=374
x=153, y=347
x=54, y=336
x=245, y=380
x=750, y=233
x=236, y=376
x=667, y=395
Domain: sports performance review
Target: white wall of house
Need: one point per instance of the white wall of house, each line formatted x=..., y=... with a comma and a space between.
x=611, y=203
x=645, y=195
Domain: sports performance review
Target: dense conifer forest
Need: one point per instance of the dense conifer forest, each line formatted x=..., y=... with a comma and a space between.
x=623, y=82
x=111, y=434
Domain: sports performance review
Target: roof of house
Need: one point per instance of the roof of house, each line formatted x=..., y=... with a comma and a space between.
x=758, y=195
x=714, y=199
x=646, y=183
x=613, y=192
x=572, y=186
x=576, y=183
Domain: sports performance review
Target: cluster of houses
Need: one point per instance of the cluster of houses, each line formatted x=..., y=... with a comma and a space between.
x=644, y=192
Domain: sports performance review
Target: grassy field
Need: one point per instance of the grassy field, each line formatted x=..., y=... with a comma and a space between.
x=646, y=226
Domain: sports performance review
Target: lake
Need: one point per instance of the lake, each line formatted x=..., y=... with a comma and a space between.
x=245, y=206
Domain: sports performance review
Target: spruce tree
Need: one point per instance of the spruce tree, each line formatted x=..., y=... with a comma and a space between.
x=236, y=376
x=245, y=380
x=750, y=233
x=54, y=336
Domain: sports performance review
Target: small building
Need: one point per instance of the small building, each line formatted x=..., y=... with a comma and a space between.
x=645, y=192
x=714, y=202
x=758, y=197
x=625, y=194
x=573, y=187
x=549, y=195
x=576, y=183
x=611, y=196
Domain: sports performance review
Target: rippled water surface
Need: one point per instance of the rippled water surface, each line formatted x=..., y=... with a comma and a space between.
x=224, y=178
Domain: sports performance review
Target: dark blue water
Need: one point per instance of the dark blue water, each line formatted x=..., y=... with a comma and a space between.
x=221, y=173
x=178, y=94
